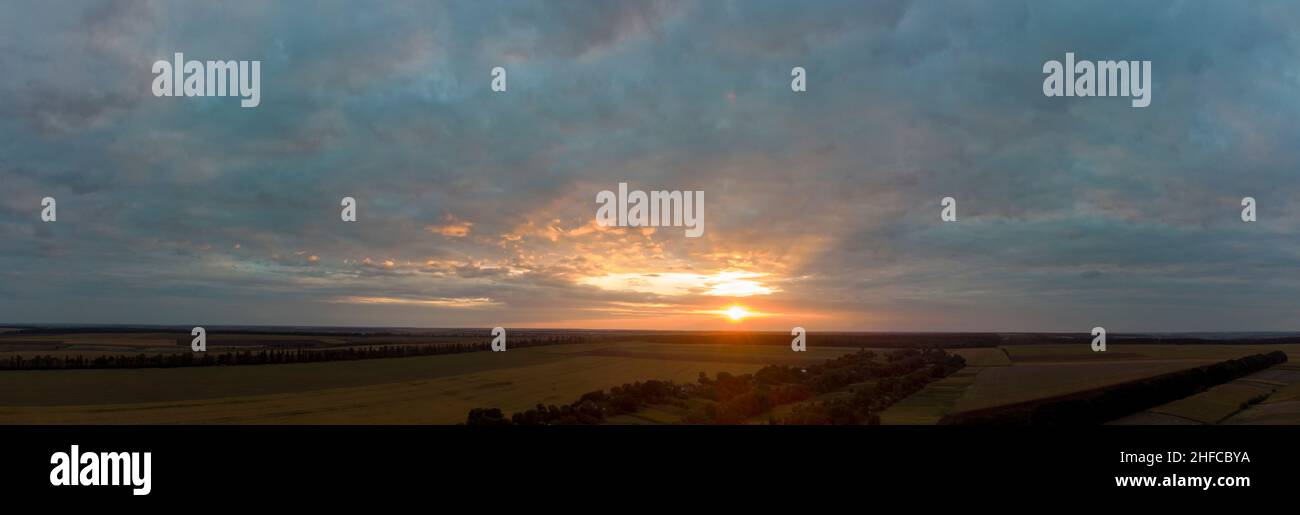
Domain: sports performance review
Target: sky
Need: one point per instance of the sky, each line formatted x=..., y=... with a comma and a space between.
x=822, y=208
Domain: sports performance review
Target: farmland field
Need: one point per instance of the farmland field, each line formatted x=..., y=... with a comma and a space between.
x=1263, y=397
x=94, y=344
x=1039, y=371
x=1054, y=353
x=996, y=386
x=443, y=388
x=936, y=400
x=429, y=389
x=1282, y=408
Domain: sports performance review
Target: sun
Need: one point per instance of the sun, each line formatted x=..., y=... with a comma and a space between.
x=734, y=313
x=737, y=313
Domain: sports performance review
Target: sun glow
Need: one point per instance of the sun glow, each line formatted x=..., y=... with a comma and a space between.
x=737, y=313
x=730, y=283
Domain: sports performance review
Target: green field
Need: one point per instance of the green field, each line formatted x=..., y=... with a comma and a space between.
x=1262, y=397
x=417, y=390
x=1039, y=371
x=91, y=345
x=1215, y=404
x=441, y=389
x=927, y=406
x=1056, y=353
x=1281, y=408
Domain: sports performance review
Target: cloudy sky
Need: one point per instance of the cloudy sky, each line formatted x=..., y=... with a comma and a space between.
x=822, y=208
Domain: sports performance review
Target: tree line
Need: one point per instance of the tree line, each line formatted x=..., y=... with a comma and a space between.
x=734, y=399
x=817, y=339
x=1101, y=405
x=265, y=356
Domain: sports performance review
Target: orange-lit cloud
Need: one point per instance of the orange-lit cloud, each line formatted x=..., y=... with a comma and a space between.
x=439, y=302
x=731, y=283
x=454, y=228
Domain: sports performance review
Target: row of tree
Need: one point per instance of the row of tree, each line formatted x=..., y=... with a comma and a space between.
x=818, y=339
x=1101, y=405
x=733, y=399
x=264, y=356
x=877, y=386
x=591, y=408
